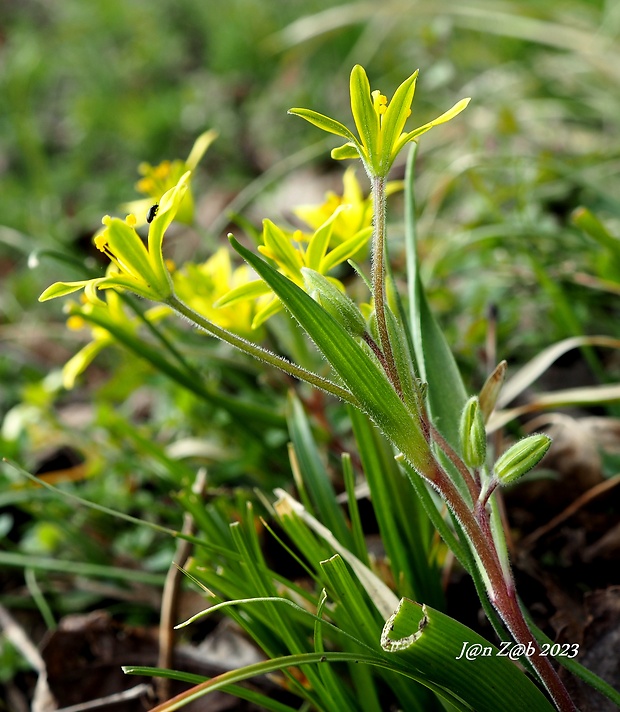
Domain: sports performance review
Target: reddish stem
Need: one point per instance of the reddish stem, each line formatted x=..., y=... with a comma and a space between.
x=502, y=593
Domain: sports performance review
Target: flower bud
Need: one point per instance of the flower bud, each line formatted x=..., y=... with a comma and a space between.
x=521, y=457
x=491, y=389
x=473, y=434
x=339, y=305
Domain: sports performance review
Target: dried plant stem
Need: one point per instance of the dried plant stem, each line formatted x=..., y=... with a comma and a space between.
x=170, y=596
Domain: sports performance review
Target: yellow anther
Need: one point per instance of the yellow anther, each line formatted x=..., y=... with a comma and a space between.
x=379, y=101
x=101, y=241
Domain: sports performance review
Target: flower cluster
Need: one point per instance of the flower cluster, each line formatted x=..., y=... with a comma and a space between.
x=232, y=298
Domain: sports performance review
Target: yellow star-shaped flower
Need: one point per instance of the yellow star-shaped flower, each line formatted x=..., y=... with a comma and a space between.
x=140, y=268
x=380, y=124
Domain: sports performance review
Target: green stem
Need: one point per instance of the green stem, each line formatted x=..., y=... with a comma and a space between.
x=378, y=278
x=193, y=382
x=258, y=352
x=160, y=336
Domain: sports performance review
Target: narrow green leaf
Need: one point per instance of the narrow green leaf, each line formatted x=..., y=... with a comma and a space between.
x=324, y=122
x=447, y=534
x=361, y=615
x=282, y=624
x=424, y=638
x=435, y=363
x=243, y=693
x=76, y=568
x=403, y=522
x=356, y=612
x=379, y=593
x=61, y=289
x=278, y=664
x=359, y=542
x=338, y=693
x=316, y=479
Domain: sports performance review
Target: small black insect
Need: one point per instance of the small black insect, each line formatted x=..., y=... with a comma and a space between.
x=152, y=213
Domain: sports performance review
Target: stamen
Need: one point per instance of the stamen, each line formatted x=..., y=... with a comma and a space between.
x=101, y=242
x=379, y=101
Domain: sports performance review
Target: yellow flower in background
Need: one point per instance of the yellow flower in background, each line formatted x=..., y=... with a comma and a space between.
x=201, y=285
x=355, y=213
x=110, y=312
x=355, y=209
x=156, y=180
x=139, y=268
x=291, y=254
x=77, y=364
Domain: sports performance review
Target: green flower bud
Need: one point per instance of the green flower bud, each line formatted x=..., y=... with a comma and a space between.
x=521, y=457
x=339, y=305
x=473, y=434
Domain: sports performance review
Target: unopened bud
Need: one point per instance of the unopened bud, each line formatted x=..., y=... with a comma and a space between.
x=339, y=305
x=521, y=457
x=491, y=389
x=473, y=434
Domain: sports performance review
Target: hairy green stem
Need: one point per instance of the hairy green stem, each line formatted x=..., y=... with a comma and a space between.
x=375, y=349
x=378, y=278
x=260, y=353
